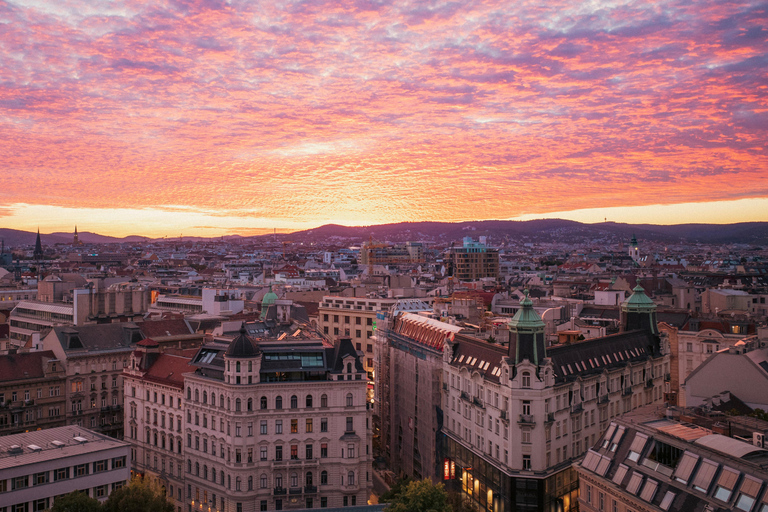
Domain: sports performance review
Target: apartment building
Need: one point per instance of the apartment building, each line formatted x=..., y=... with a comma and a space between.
x=32, y=392
x=473, y=260
x=354, y=318
x=37, y=467
x=277, y=425
x=154, y=414
x=94, y=357
x=516, y=417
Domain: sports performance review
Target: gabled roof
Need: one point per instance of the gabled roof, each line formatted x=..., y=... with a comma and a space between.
x=343, y=349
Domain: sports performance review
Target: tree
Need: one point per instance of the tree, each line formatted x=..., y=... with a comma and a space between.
x=141, y=495
x=395, y=491
x=458, y=502
x=421, y=496
x=76, y=501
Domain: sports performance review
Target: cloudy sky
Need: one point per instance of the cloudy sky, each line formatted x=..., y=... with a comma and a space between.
x=214, y=117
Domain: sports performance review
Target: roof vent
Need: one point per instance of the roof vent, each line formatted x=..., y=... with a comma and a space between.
x=15, y=449
x=81, y=440
x=34, y=448
x=57, y=444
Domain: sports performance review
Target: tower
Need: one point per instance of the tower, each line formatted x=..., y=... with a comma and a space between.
x=76, y=240
x=526, y=334
x=639, y=312
x=634, y=250
x=38, y=254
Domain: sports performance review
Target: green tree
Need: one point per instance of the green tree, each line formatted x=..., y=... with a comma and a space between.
x=141, y=495
x=76, y=501
x=421, y=496
x=395, y=491
x=459, y=502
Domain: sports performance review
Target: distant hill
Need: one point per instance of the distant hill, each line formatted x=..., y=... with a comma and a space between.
x=17, y=238
x=532, y=230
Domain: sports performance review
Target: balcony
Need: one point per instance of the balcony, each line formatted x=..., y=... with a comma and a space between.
x=280, y=491
x=445, y=386
x=504, y=415
x=603, y=400
x=526, y=419
x=295, y=490
x=550, y=417
x=465, y=396
x=649, y=383
x=627, y=391
x=310, y=489
x=577, y=408
x=476, y=401
x=667, y=377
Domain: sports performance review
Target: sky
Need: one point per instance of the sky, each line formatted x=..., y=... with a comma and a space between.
x=212, y=117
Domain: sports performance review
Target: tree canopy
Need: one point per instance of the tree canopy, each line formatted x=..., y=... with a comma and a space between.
x=421, y=496
x=141, y=495
x=76, y=501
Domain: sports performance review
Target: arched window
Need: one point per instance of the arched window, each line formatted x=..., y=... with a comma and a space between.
x=178, y=446
x=197, y=395
x=237, y=405
x=189, y=466
x=197, y=468
x=309, y=400
x=221, y=401
x=324, y=400
x=250, y=366
x=308, y=478
x=279, y=402
x=205, y=471
x=221, y=478
x=250, y=404
x=189, y=393
x=250, y=483
x=294, y=480
x=350, y=400
x=213, y=475
x=205, y=397
x=237, y=483
x=229, y=404
x=213, y=399
x=323, y=477
x=294, y=402
x=263, y=481
x=526, y=379
x=351, y=478
x=349, y=367
x=263, y=402
x=237, y=367
x=155, y=436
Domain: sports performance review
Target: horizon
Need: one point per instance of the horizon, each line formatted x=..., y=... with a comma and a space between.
x=223, y=116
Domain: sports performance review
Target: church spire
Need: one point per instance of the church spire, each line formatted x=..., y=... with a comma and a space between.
x=38, y=254
x=76, y=240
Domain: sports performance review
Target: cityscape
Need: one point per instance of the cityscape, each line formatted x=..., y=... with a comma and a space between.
x=574, y=368
x=383, y=256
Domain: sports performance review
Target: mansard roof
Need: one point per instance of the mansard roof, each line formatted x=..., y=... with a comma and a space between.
x=478, y=355
x=594, y=355
x=423, y=330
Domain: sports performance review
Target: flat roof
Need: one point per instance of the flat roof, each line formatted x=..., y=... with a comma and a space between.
x=74, y=441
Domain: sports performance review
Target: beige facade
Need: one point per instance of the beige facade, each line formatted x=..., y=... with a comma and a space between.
x=258, y=440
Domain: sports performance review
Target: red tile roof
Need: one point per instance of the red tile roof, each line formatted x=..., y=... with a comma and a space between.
x=24, y=366
x=161, y=328
x=169, y=369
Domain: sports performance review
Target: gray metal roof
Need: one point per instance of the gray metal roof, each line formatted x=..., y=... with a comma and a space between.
x=728, y=445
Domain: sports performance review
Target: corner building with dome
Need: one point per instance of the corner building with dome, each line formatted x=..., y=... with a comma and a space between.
x=276, y=425
x=516, y=417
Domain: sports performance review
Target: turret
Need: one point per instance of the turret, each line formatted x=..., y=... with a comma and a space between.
x=526, y=334
x=639, y=312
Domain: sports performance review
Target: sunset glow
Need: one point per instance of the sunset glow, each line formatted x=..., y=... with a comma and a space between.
x=214, y=117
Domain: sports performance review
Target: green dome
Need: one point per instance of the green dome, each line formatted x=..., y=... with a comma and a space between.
x=526, y=317
x=269, y=298
x=638, y=301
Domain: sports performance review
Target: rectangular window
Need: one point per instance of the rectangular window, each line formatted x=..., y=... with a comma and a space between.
x=263, y=427
x=294, y=426
x=309, y=425
x=323, y=424
x=324, y=450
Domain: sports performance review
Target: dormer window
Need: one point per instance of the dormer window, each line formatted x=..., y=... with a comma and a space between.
x=526, y=379
x=349, y=367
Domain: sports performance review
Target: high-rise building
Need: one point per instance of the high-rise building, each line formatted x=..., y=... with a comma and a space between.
x=473, y=260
